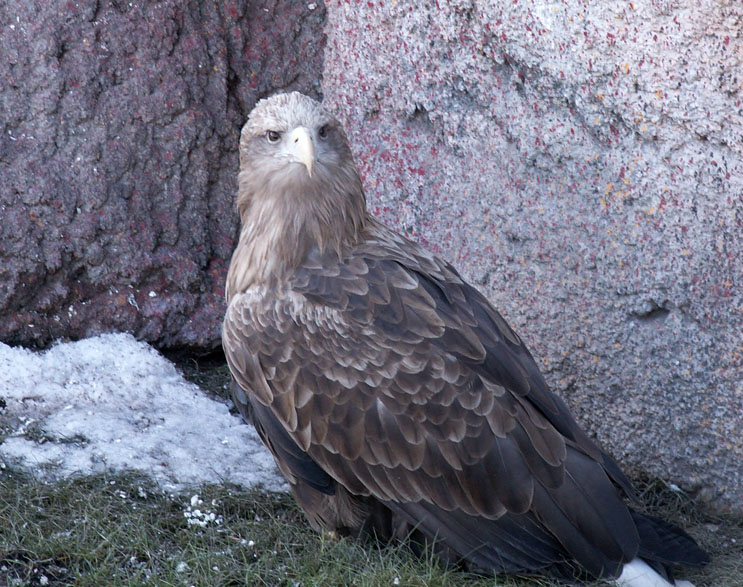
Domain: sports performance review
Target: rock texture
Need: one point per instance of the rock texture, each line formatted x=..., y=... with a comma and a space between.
x=119, y=124
x=583, y=162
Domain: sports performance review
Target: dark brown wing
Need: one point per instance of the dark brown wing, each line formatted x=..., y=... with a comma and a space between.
x=401, y=382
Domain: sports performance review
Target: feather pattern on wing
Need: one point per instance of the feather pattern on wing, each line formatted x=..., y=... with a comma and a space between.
x=422, y=394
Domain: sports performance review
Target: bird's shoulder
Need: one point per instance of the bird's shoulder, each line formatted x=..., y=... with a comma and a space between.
x=386, y=360
x=387, y=277
x=380, y=273
x=385, y=313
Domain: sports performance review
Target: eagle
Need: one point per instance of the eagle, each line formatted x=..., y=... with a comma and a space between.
x=394, y=398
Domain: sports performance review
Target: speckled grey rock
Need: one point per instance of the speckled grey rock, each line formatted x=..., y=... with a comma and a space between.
x=583, y=163
x=580, y=161
x=119, y=124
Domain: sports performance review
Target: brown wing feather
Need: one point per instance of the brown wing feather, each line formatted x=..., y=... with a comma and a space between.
x=389, y=391
x=423, y=369
x=401, y=382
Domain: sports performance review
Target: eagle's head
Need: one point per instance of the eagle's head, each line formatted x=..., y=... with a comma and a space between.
x=298, y=188
x=290, y=144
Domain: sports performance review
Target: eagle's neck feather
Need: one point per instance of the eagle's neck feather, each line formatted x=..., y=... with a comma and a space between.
x=280, y=226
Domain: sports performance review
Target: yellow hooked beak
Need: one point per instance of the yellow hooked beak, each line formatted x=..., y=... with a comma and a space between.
x=302, y=148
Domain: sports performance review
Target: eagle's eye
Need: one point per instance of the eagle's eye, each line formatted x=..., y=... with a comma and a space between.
x=273, y=136
x=323, y=132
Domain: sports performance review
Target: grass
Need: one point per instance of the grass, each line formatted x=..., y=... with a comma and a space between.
x=120, y=529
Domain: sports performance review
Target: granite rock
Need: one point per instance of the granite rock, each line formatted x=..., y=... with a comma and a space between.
x=581, y=162
x=119, y=124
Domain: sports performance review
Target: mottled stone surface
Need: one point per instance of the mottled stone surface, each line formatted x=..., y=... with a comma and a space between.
x=583, y=163
x=119, y=124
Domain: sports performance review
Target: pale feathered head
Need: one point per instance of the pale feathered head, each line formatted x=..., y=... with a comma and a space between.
x=298, y=187
x=289, y=128
x=291, y=143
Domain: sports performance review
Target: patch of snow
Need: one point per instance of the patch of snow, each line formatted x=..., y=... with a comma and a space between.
x=196, y=517
x=112, y=402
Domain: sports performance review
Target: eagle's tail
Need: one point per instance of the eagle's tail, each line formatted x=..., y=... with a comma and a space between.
x=663, y=545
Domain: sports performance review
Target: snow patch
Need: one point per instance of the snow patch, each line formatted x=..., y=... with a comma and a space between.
x=112, y=402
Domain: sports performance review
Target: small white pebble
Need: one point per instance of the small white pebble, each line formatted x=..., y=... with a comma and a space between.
x=182, y=567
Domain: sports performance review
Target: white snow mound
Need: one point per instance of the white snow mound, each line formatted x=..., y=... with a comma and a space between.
x=112, y=402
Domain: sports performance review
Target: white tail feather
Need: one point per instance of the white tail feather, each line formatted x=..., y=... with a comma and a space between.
x=637, y=573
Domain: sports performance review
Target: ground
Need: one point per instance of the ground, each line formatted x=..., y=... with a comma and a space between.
x=119, y=467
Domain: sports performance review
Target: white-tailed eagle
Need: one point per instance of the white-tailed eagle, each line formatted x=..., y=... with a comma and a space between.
x=393, y=396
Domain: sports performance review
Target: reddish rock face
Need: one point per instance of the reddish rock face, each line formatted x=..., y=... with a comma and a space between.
x=580, y=161
x=118, y=157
